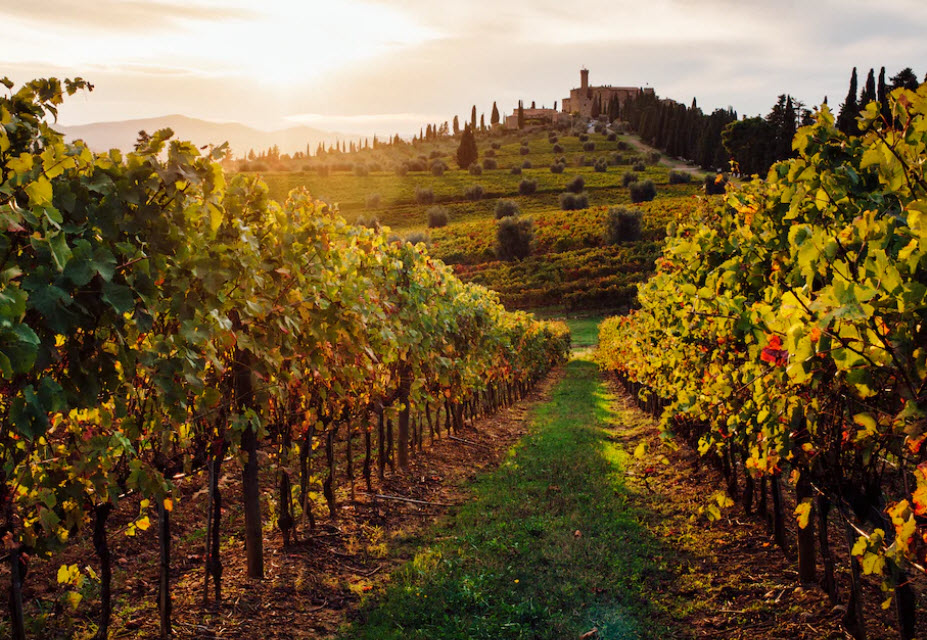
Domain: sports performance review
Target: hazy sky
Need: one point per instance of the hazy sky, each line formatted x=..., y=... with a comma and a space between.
x=366, y=66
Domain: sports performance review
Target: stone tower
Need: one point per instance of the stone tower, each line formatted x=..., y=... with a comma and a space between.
x=584, y=78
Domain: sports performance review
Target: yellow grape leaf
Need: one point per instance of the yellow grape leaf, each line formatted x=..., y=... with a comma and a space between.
x=143, y=523
x=74, y=599
x=64, y=574
x=803, y=513
x=640, y=451
x=887, y=603
x=866, y=421
x=724, y=501
x=873, y=563
x=168, y=504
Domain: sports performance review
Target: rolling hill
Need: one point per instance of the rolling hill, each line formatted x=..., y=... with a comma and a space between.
x=102, y=136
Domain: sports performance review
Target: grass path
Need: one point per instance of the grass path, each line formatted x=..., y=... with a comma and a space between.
x=548, y=548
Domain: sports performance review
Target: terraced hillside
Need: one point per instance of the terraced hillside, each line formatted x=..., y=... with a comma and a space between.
x=571, y=266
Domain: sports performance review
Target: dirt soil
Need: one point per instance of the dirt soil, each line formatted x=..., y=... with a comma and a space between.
x=732, y=581
x=310, y=588
x=736, y=581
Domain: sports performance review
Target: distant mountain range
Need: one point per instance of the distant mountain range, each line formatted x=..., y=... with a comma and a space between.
x=103, y=136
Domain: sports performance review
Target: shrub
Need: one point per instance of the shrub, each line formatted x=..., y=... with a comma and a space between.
x=489, y=153
x=612, y=137
x=600, y=127
x=371, y=223
x=402, y=169
x=557, y=168
x=506, y=208
x=562, y=160
x=515, y=171
x=526, y=187
x=416, y=237
x=435, y=154
x=601, y=165
x=361, y=170
x=474, y=193
x=558, y=148
x=417, y=165
x=574, y=201
x=490, y=163
x=643, y=191
x=640, y=166
x=475, y=169
x=524, y=151
x=617, y=159
x=553, y=139
x=583, y=137
x=623, y=146
x=576, y=185
x=715, y=185
x=526, y=164
x=628, y=178
x=622, y=225
x=513, y=238
x=373, y=201
x=495, y=145
x=653, y=157
x=437, y=217
x=680, y=177
x=589, y=146
x=424, y=196
x=438, y=168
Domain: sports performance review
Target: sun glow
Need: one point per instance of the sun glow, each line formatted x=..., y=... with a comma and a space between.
x=279, y=43
x=295, y=41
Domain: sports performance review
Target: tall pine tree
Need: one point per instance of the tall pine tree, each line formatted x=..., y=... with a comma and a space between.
x=494, y=117
x=849, y=110
x=467, y=152
x=473, y=119
x=869, y=91
x=882, y=97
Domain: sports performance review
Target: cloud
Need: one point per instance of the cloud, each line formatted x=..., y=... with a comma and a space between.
x=399, y=63
x=117, y=15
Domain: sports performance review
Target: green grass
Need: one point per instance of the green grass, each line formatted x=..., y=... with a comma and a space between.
x=548, y=547
x=585, y=331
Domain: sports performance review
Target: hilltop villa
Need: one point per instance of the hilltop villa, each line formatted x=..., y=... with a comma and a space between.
x=581, y=99
x=580, y=102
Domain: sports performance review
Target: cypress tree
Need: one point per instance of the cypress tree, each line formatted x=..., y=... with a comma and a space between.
x=846, y=120
x=456, y=126
x=473, y=119
x=494, y=117
x=882, y=97
x=869, y=91
x=521, y=115
x=467, y=152
x=482, y=122
x=788, y=133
